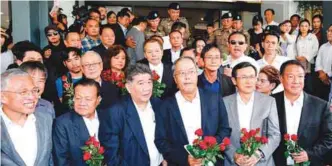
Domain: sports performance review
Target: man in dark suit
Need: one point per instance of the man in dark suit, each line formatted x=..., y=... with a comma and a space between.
x=25, y=133
x=107, y=38
x=212, y=78
x=127, y=129
x=73, y=129
x=171, y=55
x=304, y=115
x=120, y=30
x=188, y=110
x=92, y=67
x=153, y=54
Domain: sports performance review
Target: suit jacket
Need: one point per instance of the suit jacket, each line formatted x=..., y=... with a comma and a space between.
x=101, y=50
x=122, y=135
x=69, y=135
x=109, y=93
x=314, y=132
x=170, y=131
x=167, y=57
x=226, y=85
x=136, y=53
x=10, y=157
x=167, y=79
x=45, y=106
x=264, y=117
x=120, y=38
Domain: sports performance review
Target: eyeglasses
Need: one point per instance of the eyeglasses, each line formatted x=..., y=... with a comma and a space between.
x=233, y=42
x=52, y=34
x=26, y=93
x=263, y=81
x=184, y=73
x=252, y=77
x=210, y=58
x=91, y=65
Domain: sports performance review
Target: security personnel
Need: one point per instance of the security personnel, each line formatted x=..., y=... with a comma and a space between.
x=174, y=16
x=153, y=25
x=220, y=36
x=238, y=26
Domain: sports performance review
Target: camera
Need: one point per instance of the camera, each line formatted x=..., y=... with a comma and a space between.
x=81, y=14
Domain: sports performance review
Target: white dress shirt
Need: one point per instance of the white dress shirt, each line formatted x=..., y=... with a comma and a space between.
x=271, y=23
x=147, y=119
x=92, y=125
x=293, y=115
x=307, y=47
x=290, y=42
x=244, y=58
x=175, y=54
x=277, y=62
x=190, y=114
x=159, y=70
x=24, y=138
x=245, y=111
x=324, y=59
x=124, y=29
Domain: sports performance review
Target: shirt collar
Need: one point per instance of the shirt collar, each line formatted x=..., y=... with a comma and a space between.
x=183, y=100
x=146, y=108
x=8, y=122
x=177, y=50
x=205, y=79
x=89, y=38
x=95, y=118
x=122, y=27
x=238, y=98
x=298, y=101
x=158, y=67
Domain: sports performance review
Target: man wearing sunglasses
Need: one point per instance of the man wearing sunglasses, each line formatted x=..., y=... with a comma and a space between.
x=237, y=46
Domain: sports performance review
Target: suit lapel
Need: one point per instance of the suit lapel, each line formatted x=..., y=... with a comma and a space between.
x=135, y=125
x=281, y=112
x=40, y=136
x=234, y=113
x=80, y=130
x=7, y=145
x=255, y=111
x=305, y=114
x=204, y=111
x=177, y=115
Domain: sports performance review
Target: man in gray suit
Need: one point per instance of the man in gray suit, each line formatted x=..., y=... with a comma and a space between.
x=249, y=109
x=137, y=33
x=25, y=133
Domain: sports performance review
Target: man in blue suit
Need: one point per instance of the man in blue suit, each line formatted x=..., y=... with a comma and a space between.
x=25, y=133
x=73, y=129
x=127, y=129
x=188, y=110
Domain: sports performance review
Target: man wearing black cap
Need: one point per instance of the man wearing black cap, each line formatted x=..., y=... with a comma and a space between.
x=153, y=25
x=174, y=16
x=238, y=26
x=220, y=36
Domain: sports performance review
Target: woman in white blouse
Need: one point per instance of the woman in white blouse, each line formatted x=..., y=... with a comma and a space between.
x=287, y=40
x=306, y=45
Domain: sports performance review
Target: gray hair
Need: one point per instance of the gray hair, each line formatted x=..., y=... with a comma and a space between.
x=184, y=58
x=91, y=53
x=9, y=74
x=137, y=69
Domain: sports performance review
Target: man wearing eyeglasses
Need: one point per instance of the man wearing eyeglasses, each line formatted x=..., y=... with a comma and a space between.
x=92, y=66
x=213, y=79
x=189, y=109
x=237, y=46
x=245, y=110
x=306, y=116
x=26, y=134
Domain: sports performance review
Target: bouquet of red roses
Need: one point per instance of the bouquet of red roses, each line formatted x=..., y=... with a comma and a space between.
x=68, y=93
x=207, y=148
x=158, y=87
x=117, y=79
x=250, y=142
x=293, y=147
x=93, y=152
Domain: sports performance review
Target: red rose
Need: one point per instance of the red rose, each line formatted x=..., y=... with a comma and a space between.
x=66, y=85
x=113, y=76
x=294, y=137
x=199, y=132
x=226, y=141
x=122, y=76
x=96, y=144
x=210, y=141
x=101, y=150
x=120, y=84
x=286, y=137
x=258, y=130
x=244, y=130
x=244, y=139
x=258, y=139
x=252, y=133
x=196, y=141
x=264, y=140
x=64, y=78
x=155, y=76
x=203, y=145
x=86, y=156
x=222, y=147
